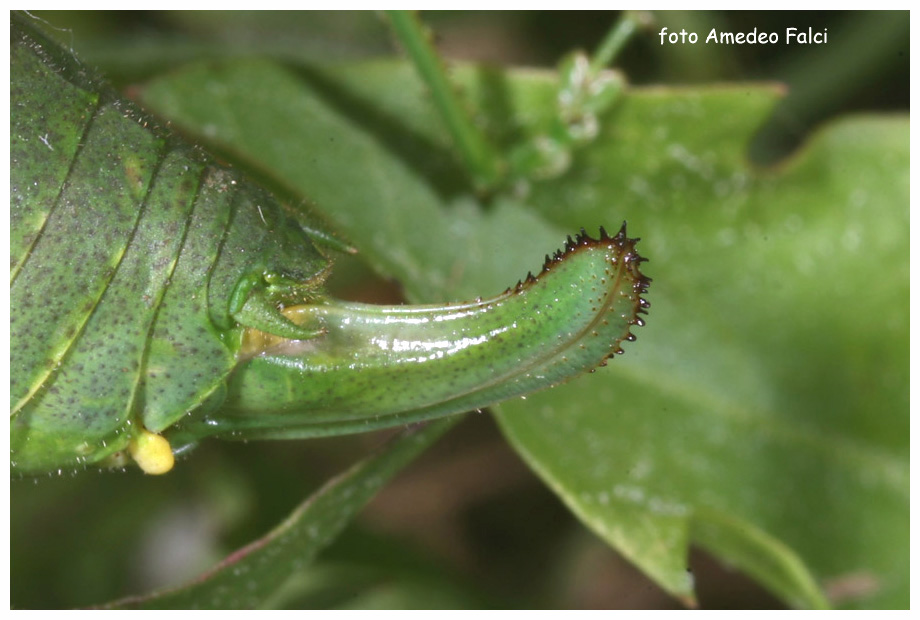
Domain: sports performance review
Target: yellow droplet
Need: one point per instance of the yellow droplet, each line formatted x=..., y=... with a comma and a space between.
x=152, y=453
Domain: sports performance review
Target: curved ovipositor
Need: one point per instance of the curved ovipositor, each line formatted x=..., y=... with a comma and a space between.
x=158, y=297
x=375, y=366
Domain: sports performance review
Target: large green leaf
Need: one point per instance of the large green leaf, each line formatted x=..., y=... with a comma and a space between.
x=769, y=395
x=763, y=412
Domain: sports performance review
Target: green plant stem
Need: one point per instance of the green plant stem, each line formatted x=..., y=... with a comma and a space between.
x=256, y=574
x=617, y=37
x=480, y=158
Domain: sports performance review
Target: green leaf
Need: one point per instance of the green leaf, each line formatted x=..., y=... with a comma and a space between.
x=765, y=407
x=763, y=412
x=344, y=157
x=274, y=567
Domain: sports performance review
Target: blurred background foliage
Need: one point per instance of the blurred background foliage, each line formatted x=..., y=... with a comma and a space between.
x=863, y=68
x=468, y=524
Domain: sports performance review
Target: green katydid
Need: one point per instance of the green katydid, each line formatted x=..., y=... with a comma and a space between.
x=158, y=298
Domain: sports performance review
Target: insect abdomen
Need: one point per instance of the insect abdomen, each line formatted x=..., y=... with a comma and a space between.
x=68, y=293
x=117, y=231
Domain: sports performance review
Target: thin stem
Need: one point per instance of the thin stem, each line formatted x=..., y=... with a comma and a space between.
x=476, y=151
x=616, y=39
